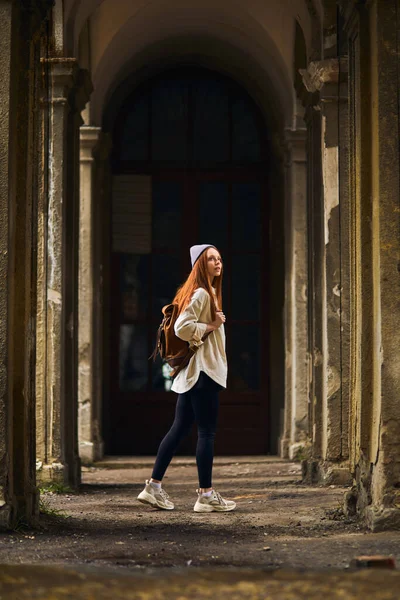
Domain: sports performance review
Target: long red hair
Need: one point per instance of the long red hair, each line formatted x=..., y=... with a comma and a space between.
x=199, y=277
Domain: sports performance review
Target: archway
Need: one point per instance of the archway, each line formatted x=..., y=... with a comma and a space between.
x=192, y=161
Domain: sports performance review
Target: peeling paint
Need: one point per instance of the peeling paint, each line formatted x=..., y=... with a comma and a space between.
x=330, y=176
x=54, y=296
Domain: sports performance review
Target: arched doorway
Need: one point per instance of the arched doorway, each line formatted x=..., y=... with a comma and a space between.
x=189, y=164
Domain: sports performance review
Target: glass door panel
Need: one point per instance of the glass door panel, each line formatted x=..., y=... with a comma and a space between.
x=133, y=357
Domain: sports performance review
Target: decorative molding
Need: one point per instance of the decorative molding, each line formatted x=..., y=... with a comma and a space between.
x=70, y=84
x=320, y=72
x=90, y=137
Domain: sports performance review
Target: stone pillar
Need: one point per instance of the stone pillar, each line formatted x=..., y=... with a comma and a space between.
x=89, y=391
x=295, y=440
x=329, y=254
x=315, y=253
x=57, y=450
x=20, y=46
x=374, y=157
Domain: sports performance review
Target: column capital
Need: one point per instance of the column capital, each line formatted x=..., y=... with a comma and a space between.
x=70, y=84
x=320, y=72
x=89, y=137
x=325, y=81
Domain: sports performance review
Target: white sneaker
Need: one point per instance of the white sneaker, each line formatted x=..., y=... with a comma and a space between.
x=154, y=497
x=213, y=503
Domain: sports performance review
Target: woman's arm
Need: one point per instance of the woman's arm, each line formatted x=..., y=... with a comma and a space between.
x=219, y=319
x=187, y=326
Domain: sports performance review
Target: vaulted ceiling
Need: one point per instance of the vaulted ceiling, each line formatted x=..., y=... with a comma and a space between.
x=252, y=41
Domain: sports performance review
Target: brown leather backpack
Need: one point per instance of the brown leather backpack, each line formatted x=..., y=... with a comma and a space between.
x=174, y=351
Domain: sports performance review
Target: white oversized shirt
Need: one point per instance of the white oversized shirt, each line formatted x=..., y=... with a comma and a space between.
x=210, y=356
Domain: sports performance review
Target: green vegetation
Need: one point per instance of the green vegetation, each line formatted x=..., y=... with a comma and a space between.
x=55, y=488
x=45, y=508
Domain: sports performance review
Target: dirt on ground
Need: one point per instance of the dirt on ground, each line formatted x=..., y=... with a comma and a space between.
x=278, y=523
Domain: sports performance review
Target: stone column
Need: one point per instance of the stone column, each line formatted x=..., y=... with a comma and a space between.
x=57, y=450
x=20, y=45
x=295, y=441
x=329, y=249
x=384, y=512
x=315, y=253
x=375, y=368
x=89, y=392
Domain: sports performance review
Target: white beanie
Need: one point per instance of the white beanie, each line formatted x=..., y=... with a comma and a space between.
x=196, y=251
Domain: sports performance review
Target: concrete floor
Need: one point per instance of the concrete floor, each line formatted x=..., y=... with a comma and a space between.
x=103, y=537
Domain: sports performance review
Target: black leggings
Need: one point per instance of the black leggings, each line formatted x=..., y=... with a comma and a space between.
x=200, y=405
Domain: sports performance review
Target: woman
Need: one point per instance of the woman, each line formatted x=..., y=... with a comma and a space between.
x=201, y=323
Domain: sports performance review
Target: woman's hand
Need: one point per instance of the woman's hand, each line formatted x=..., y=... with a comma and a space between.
x=219, y=320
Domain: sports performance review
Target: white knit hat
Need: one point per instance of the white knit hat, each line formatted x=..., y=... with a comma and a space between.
x=197, y=251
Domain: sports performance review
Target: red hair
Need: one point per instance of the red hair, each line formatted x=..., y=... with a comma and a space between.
x=199, y=278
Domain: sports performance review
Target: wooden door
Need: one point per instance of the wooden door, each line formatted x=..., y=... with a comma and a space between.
x=229, y=211
x=197, y=140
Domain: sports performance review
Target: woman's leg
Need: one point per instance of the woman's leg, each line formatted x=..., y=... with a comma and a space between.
x=205, y=404
x=184, y=418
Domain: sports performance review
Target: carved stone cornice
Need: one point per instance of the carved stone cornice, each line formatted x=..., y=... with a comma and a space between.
x=90, y=138
x=320, y=72
x=69, y=84
x=62, y=74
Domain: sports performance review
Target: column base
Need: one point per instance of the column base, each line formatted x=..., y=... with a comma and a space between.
x=90, y=452
x=382, y=519
x=11, y=515
x=299, y=451
x=60, y=473
x=377, y=518
x=283, y=446
x=7, y=517
x=326, y=472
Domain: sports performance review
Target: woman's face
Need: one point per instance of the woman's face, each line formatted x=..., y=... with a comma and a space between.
x=214, y=263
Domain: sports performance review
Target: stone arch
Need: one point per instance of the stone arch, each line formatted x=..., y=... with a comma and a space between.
x=227, y=39
x=275, y=186
x=256, y=64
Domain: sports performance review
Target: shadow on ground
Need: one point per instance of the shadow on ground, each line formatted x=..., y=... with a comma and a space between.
x=279, y=525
